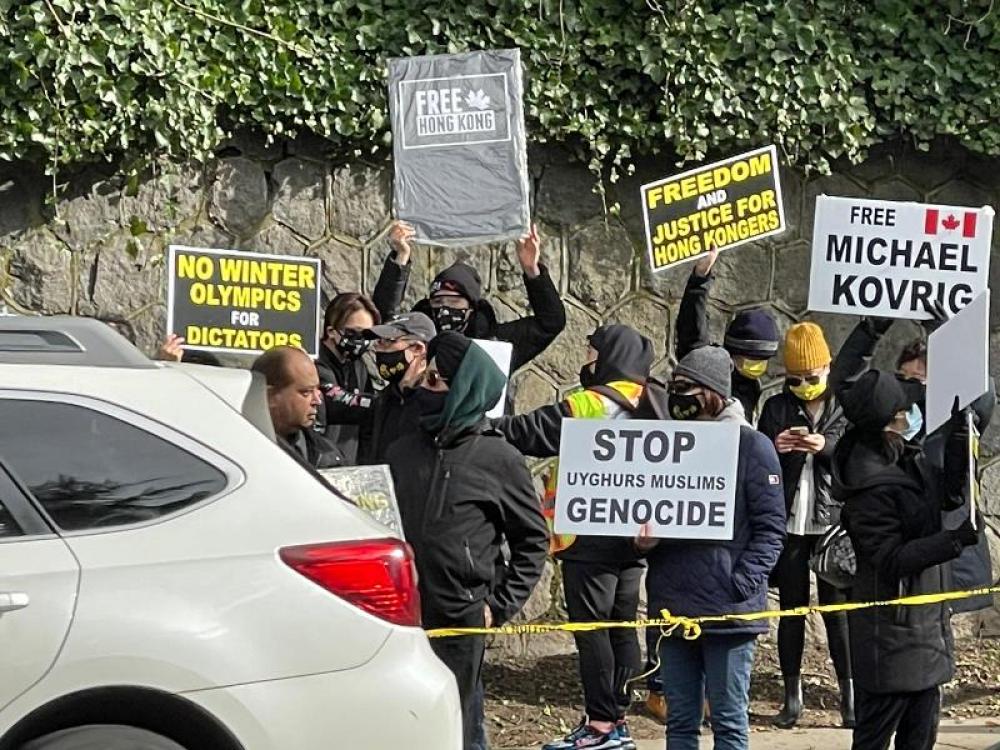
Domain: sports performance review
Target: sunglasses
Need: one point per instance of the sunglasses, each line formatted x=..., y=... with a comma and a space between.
x=681, y=386
x=434, y=379
x=794, y=380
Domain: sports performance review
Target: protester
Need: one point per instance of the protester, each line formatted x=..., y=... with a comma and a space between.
x=972, y=569
x=293, y=399
x=462, y=490
x=708, y=578
x=600, y=574
x=892, y=512
x=455, y=301
x=344, y=378
x=805, y=422
x=400, y=349
x=751, y=338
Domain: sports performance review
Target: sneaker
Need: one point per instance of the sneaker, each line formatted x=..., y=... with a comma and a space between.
x=585, y=737
x=624, y=735
x=656, y=704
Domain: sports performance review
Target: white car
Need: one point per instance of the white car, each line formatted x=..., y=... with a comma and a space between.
x=171, y=579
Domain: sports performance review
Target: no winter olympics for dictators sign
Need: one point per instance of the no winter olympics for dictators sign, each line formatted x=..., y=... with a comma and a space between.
x=232, y=301
x=720, y=205
x=459, y=150
x=893, y=259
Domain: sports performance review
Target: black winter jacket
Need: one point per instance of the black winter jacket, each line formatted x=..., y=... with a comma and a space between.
x=392, y=415
x=319, y=452
x=529, y=336
x=784, y=410
x=894, y=521
x=460, y=496
x=973, y=568
x=692, y=333
x=341, y=422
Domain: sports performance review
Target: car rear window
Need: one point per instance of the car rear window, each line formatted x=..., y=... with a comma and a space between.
x=90, y=470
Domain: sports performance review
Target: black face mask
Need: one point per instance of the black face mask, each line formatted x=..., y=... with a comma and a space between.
x=352, y=345
x=429, y=403
x=587, y=375
x=391, y=366
x=684, y=405
x=450, y=319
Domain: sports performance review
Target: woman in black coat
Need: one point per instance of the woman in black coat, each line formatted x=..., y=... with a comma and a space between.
x=892, y=511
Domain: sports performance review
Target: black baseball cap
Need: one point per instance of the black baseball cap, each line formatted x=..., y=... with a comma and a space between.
x=413, y=324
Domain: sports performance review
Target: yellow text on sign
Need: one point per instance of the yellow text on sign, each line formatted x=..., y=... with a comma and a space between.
x=709, y=181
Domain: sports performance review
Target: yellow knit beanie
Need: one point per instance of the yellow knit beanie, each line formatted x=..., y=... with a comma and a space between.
x=806, y=348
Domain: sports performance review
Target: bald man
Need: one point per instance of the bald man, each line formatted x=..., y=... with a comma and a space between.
x=293, y=397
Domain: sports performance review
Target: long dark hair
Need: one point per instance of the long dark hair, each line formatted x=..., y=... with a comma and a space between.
x=891, y=446
x=344, y=305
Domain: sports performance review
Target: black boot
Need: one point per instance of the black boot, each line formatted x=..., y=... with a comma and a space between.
x=847, y=703
x=792, y=709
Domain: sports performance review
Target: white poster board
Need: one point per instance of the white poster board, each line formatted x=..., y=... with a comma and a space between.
x=958, y=361
x=891, y=258
x=370, y=488
x=615, y=476
x=500, y=352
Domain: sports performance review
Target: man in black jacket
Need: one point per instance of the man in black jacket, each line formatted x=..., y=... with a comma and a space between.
x=462, y=490
x=455, y=302
x=293, y=399
x=751, y=338
x=400, y=348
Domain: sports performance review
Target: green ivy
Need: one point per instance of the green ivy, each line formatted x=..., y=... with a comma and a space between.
x=141, y=80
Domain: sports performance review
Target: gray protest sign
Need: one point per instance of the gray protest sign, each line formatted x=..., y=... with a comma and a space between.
x=459, y=149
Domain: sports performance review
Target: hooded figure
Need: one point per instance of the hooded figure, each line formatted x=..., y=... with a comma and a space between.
x=462, y=492
x=892, y=504
x=600, y=574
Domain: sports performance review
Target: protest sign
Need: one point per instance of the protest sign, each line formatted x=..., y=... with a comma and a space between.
x=616, y=476
x=245, y=303
x=958, y=361
x=720, y=205
x=370, y=488
x=459, y=150
x=891, y=258
x=500, y=352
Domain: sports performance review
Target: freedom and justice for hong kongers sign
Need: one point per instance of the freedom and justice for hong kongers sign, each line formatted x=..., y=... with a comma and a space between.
x=892, y=259
x=616, y=476
x=720, y=205
x=459, y=150
x=231, y=301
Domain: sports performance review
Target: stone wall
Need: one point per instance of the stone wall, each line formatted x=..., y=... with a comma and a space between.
x=99, y=250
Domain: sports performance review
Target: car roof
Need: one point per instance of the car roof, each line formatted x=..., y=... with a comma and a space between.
x=66, y=340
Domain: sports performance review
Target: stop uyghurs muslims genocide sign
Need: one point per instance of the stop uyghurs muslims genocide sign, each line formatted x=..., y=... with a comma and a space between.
x=459, y=149
x=892, y=259
x=232, y=301
x=720, y=205
x=617, y=476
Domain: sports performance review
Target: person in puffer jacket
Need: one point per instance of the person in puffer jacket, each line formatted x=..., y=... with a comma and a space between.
x=892, y=512
x=711, y=577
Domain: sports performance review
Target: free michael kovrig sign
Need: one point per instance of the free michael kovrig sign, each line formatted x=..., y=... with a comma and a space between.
x=892, y=259
x=615, y=476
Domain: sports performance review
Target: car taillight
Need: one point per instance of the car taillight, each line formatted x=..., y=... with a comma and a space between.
x=376, y=575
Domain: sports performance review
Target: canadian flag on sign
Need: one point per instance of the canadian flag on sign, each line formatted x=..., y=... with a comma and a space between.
x=934, y=223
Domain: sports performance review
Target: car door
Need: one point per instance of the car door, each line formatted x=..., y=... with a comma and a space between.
x=39, y=577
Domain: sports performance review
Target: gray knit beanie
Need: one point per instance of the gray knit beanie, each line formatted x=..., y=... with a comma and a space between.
x=710, y=366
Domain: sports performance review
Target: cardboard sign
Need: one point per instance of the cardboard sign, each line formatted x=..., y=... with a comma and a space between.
x=370, y=488
x=500, y=352
x=615, y=476
x=891, y=259
x=244, y=303
x=720, y=205
x=459, y=149
x=958, y=361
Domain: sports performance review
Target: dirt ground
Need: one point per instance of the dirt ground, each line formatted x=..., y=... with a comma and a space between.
x=531, y=702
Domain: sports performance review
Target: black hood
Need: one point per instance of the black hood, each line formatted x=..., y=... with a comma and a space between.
x=859, y=465
x=622, y=354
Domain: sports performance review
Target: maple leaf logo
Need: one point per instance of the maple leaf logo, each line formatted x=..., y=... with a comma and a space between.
x=477, y=99
x=950, y=223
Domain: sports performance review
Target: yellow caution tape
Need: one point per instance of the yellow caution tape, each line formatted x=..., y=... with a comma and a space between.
x=690, y=627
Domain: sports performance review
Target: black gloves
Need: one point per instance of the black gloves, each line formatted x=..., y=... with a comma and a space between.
x=965, y=534
x=939, y=316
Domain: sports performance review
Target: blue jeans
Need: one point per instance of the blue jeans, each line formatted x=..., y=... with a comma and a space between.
x=714, y=665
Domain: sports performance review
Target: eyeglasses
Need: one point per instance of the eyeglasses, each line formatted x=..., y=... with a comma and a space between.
x=435, y=379
x=794, y=380
x=681, y=386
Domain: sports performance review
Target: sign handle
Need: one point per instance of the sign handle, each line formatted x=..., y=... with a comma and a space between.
x=973, y=467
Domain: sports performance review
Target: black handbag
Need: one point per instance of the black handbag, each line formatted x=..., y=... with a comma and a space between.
x=833, y=559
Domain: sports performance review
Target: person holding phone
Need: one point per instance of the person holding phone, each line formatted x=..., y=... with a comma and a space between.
x=804, y=422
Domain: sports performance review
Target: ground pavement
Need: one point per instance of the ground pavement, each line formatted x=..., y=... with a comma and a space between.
x=974, y=734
